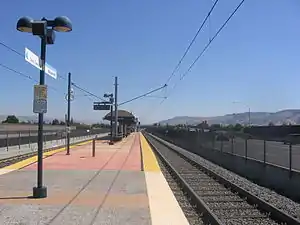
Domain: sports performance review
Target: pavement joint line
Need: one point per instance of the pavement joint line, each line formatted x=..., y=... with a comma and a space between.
x=29, y=161
x=83, y=188
x=111, y=185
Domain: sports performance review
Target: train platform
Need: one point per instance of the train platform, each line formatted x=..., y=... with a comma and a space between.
x=122, y=184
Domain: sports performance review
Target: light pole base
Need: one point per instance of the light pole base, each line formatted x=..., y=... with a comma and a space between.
x=39, y=192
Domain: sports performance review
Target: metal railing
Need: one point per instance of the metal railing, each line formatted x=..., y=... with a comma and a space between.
x=280, y=153
x=12, y=139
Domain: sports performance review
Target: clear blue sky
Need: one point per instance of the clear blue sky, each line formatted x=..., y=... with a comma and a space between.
x=254, y=60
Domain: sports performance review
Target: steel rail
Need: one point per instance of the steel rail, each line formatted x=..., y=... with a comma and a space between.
x=275, y=213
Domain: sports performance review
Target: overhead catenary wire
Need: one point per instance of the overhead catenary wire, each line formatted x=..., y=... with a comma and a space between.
x=212, y=39
x=23, y=55
x=206, y=46
x=25, y=76
x=17, y=72
x=60, y=76
x=188, y=48
x=86, y=91
x=154, y=96
x=36, y=81
x=11, y=49
x=192, y=42
x=143, y=95
x=64, y=78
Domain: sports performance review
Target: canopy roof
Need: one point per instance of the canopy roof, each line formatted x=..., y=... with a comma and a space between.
x=123, y=115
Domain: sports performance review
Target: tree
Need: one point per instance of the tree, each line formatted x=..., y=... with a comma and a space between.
x=55, y=122
x=271, y=124
x=97, y=125
x=215, y=126
x=11, y=119
x=230, y=127
x=62, y=123
x=203, y=125
x=238, y=127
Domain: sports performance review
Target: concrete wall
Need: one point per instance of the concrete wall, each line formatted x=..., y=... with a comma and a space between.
x=277, y=178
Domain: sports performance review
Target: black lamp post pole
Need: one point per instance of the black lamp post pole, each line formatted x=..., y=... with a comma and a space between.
x=40, y=191
x=40, y=28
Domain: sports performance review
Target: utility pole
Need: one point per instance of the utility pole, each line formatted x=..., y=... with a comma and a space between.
x=68, y=114
x=116, y=107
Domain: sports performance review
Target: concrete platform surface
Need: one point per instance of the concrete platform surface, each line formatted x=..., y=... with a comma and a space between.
x=109, y=188
x=122, y=184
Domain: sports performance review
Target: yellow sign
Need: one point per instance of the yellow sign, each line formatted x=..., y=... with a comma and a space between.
x=40, y=92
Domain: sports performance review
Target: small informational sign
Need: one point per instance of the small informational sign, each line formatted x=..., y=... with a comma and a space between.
x=40, y=99
x=50, y=71
x=102, y=105
x=34, y=60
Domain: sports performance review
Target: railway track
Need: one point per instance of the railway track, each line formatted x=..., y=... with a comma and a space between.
x=14, y=159
x=217, y=199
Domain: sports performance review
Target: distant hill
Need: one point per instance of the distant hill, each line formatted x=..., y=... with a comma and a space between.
x=257, y=118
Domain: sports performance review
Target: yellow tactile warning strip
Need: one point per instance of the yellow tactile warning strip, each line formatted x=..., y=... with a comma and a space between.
x=164, y=208
x=149, y=160
x=31, y=160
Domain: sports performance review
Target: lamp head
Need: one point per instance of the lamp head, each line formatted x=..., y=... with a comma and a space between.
x=62, y=24
x=24, y=24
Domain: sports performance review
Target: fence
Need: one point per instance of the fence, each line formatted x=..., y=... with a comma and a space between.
x=10, y=139
x=273, y=152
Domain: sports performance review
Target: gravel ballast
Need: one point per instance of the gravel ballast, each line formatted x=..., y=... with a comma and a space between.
x=285, y=204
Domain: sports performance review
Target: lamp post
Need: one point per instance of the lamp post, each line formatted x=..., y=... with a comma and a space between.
x=45, y=30
x=249, y=113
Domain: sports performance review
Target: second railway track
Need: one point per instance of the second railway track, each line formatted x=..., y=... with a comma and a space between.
x=217, y=199
x=14, y=159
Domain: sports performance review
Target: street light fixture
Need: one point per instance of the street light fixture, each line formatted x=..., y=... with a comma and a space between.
x=45, y=30
x=249, y=113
